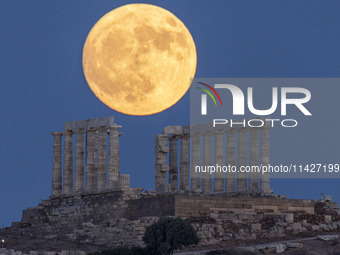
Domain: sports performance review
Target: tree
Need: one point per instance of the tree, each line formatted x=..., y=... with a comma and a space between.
x=169, y=234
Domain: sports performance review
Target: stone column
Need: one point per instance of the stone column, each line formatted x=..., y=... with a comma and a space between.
x=101, y=159
x=124, y=181
x=265, y=178
x=79, y=162
x=95, y=160
x=231, y=162
x=68, y=163
x=206, y=176
x=195, y=161
x=184, y=168
x=113, y=173
x=161, y=150
x=57, y=164
x=173, y=164
x=242, y=160
x=90, y=160
x=254, y=159
x=219, y=174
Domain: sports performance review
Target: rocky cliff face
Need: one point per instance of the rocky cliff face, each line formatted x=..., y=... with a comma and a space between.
x=119, y=218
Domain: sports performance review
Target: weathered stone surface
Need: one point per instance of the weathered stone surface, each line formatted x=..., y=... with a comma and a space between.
x=280, y=248
x=116, y=218
x=184, y=164
x=328, y=218
x=256, y=227
x=57, y=164
x=173, y=130
x=294, y=245
x=90, y=123
x=289, y=217
x=329, y=237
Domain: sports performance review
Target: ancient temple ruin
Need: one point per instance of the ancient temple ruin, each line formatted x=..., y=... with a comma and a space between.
x=206, y=140
x=91, y=172
x=101, y=210
x=94, y=175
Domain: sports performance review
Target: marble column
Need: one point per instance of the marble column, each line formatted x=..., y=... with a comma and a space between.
x=242, y=160
x=219, y=174
x=265, y=178
x=173, y=163
x=161, y=150
x=184, y=167
x=113, y=173
x=230, y=161
x=90, y=160
x=68, y=163
x=254, y=160
x=79, y=162
x=95, y=160
x=124, y=181
x=195, y=161
x=102, y=159
x=206, y=176
x=57, y=164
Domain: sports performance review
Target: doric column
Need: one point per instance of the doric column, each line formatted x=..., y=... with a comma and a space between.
x=90, y=160
x=68, y=162
x=219, y=175
x=79, y=162
x=124, y=181
x=242, y=160
x=161, y=150
x=95, y=160
x=101, y=159
x=206, y=176
x=254, y=159
x=195, y=161
x=184, y=168
x=57, y=164
x=113, y=175
x=173, y=163
x=230, y=176
x=265, y=177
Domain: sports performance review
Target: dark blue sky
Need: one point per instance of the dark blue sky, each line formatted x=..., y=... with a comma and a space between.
x=42, y=84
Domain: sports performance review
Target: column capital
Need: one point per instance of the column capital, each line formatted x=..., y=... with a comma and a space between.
x=91, y=129
x=68, y=132
x=207, y=134
x=255, y=129
x=195, y=135
x=57, y=133
x=231, y=130
x=114, y=127
x=243, y=130
x=184, y=136
x=80, y=131
x=173, y=137
x=102, y=128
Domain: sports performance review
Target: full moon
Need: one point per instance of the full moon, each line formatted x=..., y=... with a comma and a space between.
x=139, y=59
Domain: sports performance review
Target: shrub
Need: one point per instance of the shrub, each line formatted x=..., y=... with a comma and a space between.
x=169, y=234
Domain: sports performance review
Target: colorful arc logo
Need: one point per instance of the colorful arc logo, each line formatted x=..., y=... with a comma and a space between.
x=209, y=93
